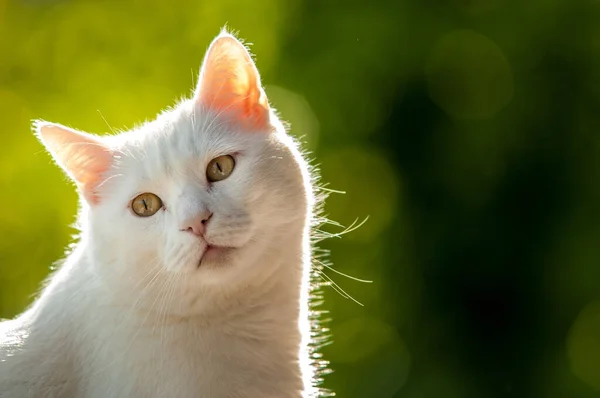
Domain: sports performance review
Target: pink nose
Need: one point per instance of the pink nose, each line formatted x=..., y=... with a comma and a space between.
x=197, y=224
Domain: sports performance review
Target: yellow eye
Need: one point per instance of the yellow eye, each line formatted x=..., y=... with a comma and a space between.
x=220, y=168
x=146, y=204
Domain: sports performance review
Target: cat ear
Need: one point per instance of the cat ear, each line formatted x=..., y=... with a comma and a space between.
x=230, y=84
x=82, y=156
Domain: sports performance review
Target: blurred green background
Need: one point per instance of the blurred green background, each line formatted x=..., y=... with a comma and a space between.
x=468, y=130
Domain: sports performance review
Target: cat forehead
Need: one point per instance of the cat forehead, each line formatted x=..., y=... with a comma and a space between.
x=183, y=136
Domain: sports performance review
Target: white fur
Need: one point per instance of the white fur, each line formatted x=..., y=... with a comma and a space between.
x=130, y=314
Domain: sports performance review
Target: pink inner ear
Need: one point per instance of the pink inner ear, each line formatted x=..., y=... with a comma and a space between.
x=85, y=158
x=87, y=167
x=230, y=83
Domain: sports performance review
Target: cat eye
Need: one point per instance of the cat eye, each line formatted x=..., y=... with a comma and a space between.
x=220, y=168
x=146, y=204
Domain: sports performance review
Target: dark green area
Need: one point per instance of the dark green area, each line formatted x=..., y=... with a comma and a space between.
x=468, y=130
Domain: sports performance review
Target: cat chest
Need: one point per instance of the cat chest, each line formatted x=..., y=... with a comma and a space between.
x=158, y=363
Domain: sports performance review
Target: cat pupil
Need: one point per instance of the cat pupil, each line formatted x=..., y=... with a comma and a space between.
x=220, y=168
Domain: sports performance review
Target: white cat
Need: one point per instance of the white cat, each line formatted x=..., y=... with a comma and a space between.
x=191, y=277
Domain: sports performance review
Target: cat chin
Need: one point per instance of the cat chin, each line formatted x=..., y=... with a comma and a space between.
x=216, y=256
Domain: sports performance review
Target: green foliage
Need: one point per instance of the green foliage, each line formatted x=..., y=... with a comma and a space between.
x=468, y=131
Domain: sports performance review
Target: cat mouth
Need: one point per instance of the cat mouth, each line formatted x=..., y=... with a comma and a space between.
x=214, y=254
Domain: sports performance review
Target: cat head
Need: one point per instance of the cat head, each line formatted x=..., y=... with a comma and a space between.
x=208, y=193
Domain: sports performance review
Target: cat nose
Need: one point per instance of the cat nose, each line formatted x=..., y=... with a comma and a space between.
x=197, y=224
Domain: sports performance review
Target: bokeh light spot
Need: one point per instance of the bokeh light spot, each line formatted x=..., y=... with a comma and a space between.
x=296, y=111
x=468, y=76
x=583, y=345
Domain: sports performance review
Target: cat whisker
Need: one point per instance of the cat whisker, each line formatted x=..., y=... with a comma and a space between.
x=337, y=288
x=172, y=281
x=341, y=273
x=329, y=190
x=352, y=227
x=107, y=125
x=156, y=267
x=109, y=178
x=128, y=346
x=125, y=151
x=156, y=300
